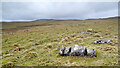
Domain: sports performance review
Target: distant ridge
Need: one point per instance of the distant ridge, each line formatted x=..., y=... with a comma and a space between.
x=47, y=20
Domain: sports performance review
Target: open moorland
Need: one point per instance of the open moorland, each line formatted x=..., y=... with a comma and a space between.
x=37, y=43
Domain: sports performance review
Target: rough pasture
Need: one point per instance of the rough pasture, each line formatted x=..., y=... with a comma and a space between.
x=39, y=45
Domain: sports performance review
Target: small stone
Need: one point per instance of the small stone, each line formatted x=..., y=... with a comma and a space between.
x=89, y=30
x=98, y=41
x=101, y=41
x=106, y=41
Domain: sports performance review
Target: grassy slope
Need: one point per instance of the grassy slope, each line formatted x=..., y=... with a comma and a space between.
x=39, y=45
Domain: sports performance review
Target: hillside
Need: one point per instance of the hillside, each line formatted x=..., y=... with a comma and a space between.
x=37, y=43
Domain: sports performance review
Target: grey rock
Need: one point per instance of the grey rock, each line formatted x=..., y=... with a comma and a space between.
x=101, y=41
x=61, y=51
x=98, y=41
x=77, y=51
x=91, y=52
x=89, y=30
x=67, y=51
x=106, y=41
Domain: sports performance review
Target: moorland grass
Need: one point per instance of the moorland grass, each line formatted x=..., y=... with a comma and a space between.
x=40, y=44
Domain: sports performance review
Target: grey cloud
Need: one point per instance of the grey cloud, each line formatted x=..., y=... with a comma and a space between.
x=57, y=10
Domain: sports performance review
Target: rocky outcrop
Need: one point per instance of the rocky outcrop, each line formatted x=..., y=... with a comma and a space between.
x=77, y=50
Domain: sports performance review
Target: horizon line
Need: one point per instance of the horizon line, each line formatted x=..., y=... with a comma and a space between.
x=54, y=19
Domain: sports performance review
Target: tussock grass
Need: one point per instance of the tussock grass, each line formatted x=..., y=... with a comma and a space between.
x=39, y=45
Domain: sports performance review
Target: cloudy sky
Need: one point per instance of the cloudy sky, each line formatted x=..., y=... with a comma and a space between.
x=13, y=11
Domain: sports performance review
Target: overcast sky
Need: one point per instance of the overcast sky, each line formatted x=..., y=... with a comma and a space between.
x=58, y=10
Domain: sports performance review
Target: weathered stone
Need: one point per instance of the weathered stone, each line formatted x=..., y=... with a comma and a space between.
x=61, y=52
x=98, y=41
x=67, y=51
x=106, y=41
x=91, y=52
x=101, y=41
x=77, y=51
x=89, y=30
